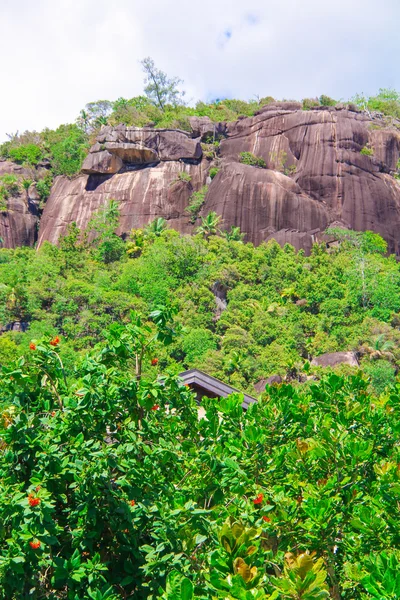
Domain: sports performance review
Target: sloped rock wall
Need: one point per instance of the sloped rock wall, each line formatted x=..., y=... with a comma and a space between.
x=316, y=175
x=18, y=224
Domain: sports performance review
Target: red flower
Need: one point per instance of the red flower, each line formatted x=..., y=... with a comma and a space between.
x=266, y=519
x=258, y=499
x=33, y=501
x=32, y=346
x=55, y=341
x=38, y=487
x=155, y=407
x=154, y=362
x=35, y=544
x=132, y=502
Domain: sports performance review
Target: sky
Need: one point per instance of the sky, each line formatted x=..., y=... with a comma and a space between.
x=58, y=55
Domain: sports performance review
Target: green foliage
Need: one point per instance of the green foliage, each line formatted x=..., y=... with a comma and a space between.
x=327, y=101
x=209, y=225
x=182, y=176
x=43, y=187
x=160, y=89
x=367, y=151
x=29, y=154
x=9, y=187
x=68, y=145
x=234, y=234
x=108, y=246
x=213, y=171
x=196, y=201
x=247, y=158
x=156, y=227
x=382, y=374
x=309, y=103
x=387, y=101
x=112, y=487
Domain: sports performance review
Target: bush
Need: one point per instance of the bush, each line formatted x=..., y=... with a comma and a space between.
x=26, y=154
x=9, y=186
x=247, y=158
x=310, y=103
x=196, y=201
x=327, y=101
x=366, y=151
x=381, y=373
x=43, y=187
x=213, y=171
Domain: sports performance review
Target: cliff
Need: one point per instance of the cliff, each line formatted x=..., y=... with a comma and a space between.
x=323, y=166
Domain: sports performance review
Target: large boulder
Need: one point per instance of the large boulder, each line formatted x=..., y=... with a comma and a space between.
x=134, y=146
x=335, y=358
x=19, y=220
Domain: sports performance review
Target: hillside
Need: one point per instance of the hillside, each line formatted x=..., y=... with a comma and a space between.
x=247, y=312
x=281, y=170
x=258, y=242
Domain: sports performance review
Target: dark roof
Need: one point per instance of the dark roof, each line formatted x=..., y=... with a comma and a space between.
x=213, y=387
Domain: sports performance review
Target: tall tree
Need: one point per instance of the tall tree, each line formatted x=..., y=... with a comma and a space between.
x=160, y=89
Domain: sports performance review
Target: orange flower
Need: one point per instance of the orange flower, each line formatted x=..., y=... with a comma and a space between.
x=258, y=499
x=154, y=362
x=55, y=341
x=32, y=346
x=38, y=487
x=33, y=501
x=266, y=519
x=35, y=544
x=155, y=407
x=53, y=413
x=132, y=502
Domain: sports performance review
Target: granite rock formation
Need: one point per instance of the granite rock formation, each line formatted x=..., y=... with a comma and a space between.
x=317, y=174
x=18, y=224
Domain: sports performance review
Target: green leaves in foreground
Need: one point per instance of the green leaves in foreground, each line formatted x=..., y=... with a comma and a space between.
x=111, y=486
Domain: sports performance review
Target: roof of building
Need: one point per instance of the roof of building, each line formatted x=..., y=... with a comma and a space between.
x=212, y=386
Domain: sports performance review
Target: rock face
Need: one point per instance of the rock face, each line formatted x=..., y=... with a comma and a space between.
x=316, y=175
x=335, y=358
x=18, y=224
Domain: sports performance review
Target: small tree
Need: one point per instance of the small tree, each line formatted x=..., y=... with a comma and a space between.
x=104, y=222
x=234, y=234
x=156, y=227
x=160, y=89
x=209, y=225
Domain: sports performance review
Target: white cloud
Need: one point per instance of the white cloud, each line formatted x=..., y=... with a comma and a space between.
x=57, y=55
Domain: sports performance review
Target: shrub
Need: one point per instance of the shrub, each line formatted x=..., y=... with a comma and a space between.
x=381, y=373
x=247, y=158
x=196, y=201
x=308, y=103
x=43, y=187
x=213, y=171
x=182, y=176
x=327, y=101
x=367, y=151
x=9, y=186
x=26, y=154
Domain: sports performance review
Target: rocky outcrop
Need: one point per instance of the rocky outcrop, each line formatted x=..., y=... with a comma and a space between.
x=129, y=147
x=335, y=358
x=18, y=223
x=317, y=174
x=143, y=195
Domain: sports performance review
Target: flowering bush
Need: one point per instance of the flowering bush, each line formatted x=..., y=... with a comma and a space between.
x=104, y=497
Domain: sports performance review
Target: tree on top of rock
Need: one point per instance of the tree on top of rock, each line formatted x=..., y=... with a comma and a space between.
x=160, y=89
